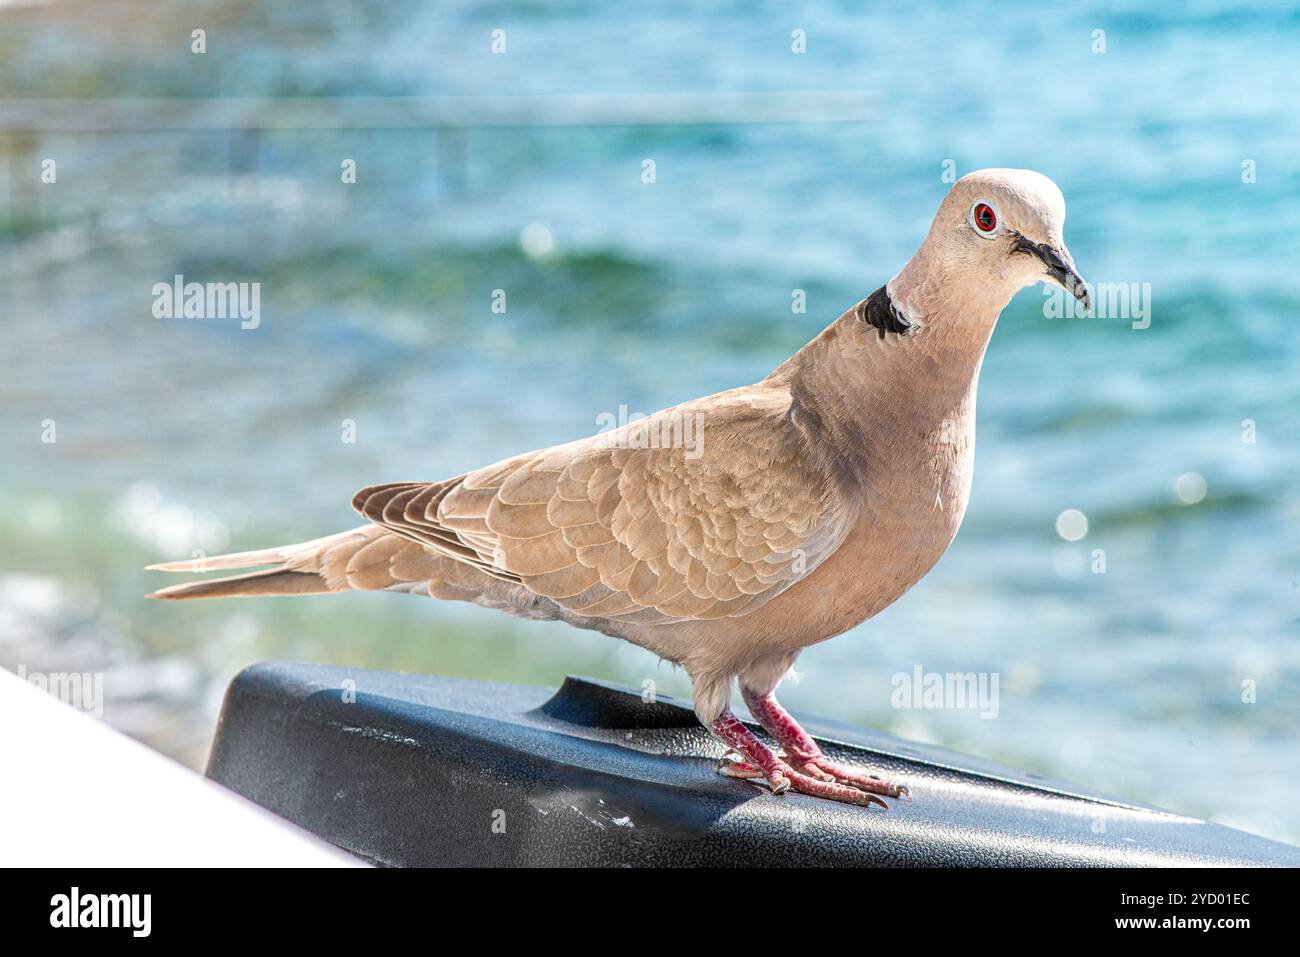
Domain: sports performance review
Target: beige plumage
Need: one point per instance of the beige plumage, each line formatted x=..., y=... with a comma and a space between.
x=819, y=496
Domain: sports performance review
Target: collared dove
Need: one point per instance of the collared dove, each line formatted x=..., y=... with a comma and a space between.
x=819, y=495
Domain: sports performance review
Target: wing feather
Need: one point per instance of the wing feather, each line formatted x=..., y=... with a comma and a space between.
x=635, y=534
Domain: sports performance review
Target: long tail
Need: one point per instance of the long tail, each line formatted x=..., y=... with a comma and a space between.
x=309, y=568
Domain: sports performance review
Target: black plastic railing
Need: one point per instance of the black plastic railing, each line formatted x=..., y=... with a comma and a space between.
x=410, y=770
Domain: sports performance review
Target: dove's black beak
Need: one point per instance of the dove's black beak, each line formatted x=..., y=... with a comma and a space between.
x=1060, y=267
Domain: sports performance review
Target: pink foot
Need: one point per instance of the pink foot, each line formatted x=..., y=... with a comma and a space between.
x=857, y=779
x=803, y=753
x=780, y=776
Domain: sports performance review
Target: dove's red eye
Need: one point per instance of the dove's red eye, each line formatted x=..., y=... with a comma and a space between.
x=984, y=218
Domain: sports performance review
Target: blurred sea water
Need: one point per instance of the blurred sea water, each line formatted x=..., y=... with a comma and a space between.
x=180, y=435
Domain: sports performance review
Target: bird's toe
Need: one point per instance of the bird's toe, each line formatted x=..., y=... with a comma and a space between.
x=861, y=780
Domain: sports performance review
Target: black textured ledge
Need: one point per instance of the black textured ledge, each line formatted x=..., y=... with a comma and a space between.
x=426, y=771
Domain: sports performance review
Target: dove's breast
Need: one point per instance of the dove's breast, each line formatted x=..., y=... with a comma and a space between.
x=910, y=512
x=914, y=485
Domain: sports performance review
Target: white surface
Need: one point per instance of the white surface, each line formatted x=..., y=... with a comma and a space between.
x=76, y=793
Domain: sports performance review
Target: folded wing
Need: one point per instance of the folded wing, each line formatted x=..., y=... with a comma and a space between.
x=666, y=519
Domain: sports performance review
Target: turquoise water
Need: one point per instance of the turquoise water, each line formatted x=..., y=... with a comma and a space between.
x=376, y=308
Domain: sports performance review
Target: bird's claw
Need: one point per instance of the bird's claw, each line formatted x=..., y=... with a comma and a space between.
x=787, y=778
x=870, y=783
x=730, y=767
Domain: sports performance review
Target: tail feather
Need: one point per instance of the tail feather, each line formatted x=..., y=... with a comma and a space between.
x=301, y=569
x=272, y=581
x=262, y=556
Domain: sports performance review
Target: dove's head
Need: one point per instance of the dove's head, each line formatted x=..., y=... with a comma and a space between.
x=1003, y=227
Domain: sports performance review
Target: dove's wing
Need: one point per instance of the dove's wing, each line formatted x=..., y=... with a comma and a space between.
x=608, y=528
